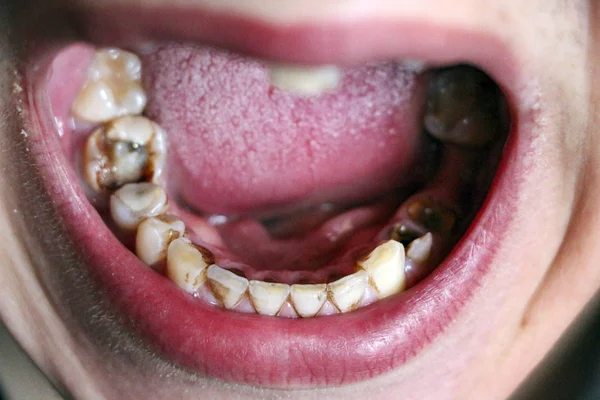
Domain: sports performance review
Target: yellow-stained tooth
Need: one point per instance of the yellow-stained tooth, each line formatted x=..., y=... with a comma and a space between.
x=136, y=201
x=227, y=287
x=385, y=267
x=268, y=298
x=154, y=236
x=305, y=80
x=308, y=299
x=186, y=265
x=347, y=292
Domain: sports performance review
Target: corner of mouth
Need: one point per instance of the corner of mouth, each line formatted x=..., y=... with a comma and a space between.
x=358, y=345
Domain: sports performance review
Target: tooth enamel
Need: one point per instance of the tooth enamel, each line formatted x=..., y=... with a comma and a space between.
x=154, y=236
x=228, y=287
x=308, y=299
x=307, y=81
x=125, y=151
x=347, y=292
x=136, y=201
x=268, y=298
x=385, y=266
x=186, y=265
x=113, y=87
x=419, y=249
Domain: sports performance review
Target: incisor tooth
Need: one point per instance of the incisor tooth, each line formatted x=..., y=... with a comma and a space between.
x=305, y=80
x=308, y=299
x=136, y=201
x=385, y=266
x=113, y=87
x=186, y=265
x=268, y=298
x=154, y=236
x=227, y=287
x=419, y=249
x=125, y=151
x=347, y=292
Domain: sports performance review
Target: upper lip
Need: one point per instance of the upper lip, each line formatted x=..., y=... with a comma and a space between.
x=274, y=351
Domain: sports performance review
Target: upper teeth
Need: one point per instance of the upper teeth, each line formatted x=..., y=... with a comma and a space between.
x=306, y=81
x=124, y=151
x=113, y=87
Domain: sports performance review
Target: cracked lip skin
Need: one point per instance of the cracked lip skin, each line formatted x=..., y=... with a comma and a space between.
x=510, y=183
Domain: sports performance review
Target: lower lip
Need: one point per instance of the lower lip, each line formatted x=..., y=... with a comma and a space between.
x=268, y=351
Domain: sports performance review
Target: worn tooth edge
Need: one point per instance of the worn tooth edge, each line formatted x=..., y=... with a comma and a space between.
x=254, y=290
x=360, y=277
x=293, y=292
x=215, y=276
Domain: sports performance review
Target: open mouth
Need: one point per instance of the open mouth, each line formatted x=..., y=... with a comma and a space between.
x=275, y=218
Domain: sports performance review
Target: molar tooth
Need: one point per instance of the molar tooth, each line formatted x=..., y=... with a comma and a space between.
x=228, y=287
x=186, y=265
x=308, y=299
x=268, y=298
x=113, y=87
x=125, y=151
x=420, y=249
x=385, y=267
x=347, y=292
x=305, y=80
x=136, y=201
x=154, y=236
x=432, y=215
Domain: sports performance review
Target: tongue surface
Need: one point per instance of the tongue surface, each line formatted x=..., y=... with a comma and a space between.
x=239, y=144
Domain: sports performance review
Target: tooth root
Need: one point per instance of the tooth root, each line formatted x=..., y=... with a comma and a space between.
x=227, y=287
x=186, y=265
x=308, y=299
x=385, y=267
x=346, y=293
x=307, y=81
x=113, y=87
x=465, y=107
x=420, y=249
x=125, y=151
x=268, y=298
x=432, y=215
x=154, y=236
x=135, y=202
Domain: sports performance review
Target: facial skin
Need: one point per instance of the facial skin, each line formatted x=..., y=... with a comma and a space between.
x=544, y=272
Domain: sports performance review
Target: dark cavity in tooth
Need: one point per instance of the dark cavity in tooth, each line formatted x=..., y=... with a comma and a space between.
x=403, y=234
x=465, y=107
x=432, y=215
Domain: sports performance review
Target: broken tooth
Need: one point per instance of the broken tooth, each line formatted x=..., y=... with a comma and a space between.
x=125, y=151
x=305, y=80
x=432, y=215
x=113, y=87
x=308, y=299
x=154, y=236
x=346, y=293
x=227, y=287
x=420, y=249
x=186, y=265
x=268, y=298
x=135, y=202
x=385, y=267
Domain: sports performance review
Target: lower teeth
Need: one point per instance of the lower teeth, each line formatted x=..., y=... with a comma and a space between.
x=126, y=158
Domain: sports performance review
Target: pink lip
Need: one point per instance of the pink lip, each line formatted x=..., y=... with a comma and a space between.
x=275, y=351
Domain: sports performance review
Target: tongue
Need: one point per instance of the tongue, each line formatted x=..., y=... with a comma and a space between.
x=238, y=144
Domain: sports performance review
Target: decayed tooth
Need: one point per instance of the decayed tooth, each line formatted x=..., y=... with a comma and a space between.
x=420, y=249
x=227, y=287
x=136, y=201
x=347, y=292
x=432, y=215
x=465, y=107
x=113, y=87
x=154, y=236
x=186, y=265
x=385, y=267
x=308, y=299
x=125, y=151
x=268, y=298
x=305, y=80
